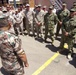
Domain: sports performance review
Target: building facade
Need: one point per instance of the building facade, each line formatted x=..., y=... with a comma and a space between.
x=69, y=3
x=42, y=2
x=49, y=2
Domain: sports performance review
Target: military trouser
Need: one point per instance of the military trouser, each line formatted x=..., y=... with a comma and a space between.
x=32, y=29
x=51, y=34
x=21, y=28
x=17, y=29
x=42, y=29
x=69, y=41
x=28, y=26
x=58, y=29
x=24, y=24
x=38, y=29
x=19, y=71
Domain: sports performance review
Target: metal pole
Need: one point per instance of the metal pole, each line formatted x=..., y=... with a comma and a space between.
x=14, y=3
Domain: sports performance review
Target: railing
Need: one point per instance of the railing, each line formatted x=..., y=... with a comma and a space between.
x=57, y=4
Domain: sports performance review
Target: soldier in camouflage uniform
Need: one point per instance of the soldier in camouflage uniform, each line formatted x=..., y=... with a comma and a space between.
x=74, y=6
x=50, y=20
x=39, y=20
x=12, y=55
x=62, y=14
x=29, y=19
x=69, y=31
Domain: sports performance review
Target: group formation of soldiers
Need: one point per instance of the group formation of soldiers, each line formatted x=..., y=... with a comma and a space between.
x=66, y=21
x=41, y=22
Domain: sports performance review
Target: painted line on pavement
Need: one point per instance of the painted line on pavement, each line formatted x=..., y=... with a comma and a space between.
x=46, y=64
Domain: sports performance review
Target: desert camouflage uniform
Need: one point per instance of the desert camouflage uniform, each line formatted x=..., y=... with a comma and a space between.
x=10, y=49
x=29, y=18
x=39, y=18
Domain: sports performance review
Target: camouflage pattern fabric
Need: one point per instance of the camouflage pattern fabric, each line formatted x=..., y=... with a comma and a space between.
x=9, y=43
x=69, y=25
x=50, y=21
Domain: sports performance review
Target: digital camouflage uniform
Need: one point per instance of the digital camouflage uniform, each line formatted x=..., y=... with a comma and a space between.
x=62, y=14
x=10, y=49
x=50, y=21
x=69, y=25
x=74, y=7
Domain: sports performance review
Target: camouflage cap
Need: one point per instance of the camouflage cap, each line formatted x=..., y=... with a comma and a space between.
x=74, y=4
x=44, y=6
x=51, y=7
x=16, y=9
x=27, y=5
x=3, y=21
x=72, y=10
x=39, y=5
x=64, y=4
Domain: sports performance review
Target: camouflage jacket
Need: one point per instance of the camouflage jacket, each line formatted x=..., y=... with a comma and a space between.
x=62, y=14
x=50, y=20
x=69, y=25
x=9, y=43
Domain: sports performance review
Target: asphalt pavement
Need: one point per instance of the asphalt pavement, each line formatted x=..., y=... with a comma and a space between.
x=43, y=58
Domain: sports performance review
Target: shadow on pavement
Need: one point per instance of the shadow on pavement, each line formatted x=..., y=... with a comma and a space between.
x=75, y=45
x=52, y=48
x=55, y=49
x=73, y=62
x=3, y=71
x=39, y=40
x=65, y=52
